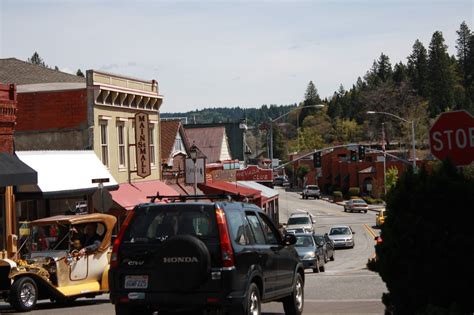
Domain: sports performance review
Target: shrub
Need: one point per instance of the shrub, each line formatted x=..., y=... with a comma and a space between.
x=372, y=201
x=425, y=257
x=354, y=192
x=337, y=195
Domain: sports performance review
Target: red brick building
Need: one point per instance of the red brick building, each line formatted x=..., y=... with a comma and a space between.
x=339, y=173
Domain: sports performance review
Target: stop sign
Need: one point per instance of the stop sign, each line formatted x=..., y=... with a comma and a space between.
x=452, y=135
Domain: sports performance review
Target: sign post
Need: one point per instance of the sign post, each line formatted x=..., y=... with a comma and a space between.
x=452, y=136
x=103, y=196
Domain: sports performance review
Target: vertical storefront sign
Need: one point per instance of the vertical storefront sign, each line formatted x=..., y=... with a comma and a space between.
x=142, y=144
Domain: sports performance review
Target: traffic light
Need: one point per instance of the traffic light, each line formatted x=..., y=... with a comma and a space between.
x=362, y=152
x=317, y=159
x=353, y=155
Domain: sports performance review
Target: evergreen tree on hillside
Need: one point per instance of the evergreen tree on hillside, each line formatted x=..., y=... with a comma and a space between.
x=462, y=46
x=441, y=76
x=37, y=60
x=417, y=68
x=384, y=69
x=311, y=97
x=399, y=73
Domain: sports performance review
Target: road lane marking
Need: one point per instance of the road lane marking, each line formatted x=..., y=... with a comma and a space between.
x=370, y=231
x=341, y=300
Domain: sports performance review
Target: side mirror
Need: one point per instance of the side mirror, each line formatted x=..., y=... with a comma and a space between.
x=289, y=239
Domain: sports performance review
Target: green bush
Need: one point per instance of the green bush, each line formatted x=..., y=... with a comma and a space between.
x=337, y=196
x=372, y=201
x=425, y=258
x=354, y=191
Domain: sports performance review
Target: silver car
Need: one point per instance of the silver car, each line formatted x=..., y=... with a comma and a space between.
x=342, y=236
x=300, y=223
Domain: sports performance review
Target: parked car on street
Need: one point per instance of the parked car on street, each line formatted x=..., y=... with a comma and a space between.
x=58, y=263
x=312, y=191
x=281, y=181
x=380, y=218
x=216, y=256
x=342, y=236
x=356, y=205
x=311, y=253
x=300, y=222
x=327, y=245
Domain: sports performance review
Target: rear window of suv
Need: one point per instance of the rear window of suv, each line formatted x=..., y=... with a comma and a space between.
x=156, y=223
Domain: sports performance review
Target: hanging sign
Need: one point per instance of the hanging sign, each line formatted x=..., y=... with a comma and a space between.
x=142, y=144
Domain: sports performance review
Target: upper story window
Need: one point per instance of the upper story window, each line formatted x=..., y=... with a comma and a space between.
x=121, y=144
x=178, y=144
x=104, y=142
x=152, y=145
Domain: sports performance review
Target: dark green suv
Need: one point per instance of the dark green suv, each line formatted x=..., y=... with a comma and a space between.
x=214, y=257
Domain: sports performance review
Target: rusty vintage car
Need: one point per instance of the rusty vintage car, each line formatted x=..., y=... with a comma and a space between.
x=49, y=264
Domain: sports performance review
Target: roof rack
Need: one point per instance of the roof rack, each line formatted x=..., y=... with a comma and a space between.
x=184, y=198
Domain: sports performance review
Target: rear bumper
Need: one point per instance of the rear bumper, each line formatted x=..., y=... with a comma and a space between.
x=344, y=244
x=177, y=300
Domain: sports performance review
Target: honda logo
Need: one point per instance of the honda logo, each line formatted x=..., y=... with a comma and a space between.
x=171, y=260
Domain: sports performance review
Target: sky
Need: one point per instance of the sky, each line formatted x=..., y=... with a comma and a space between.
x=227, y=53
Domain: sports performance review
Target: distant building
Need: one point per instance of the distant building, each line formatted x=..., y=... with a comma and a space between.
x=212, y=142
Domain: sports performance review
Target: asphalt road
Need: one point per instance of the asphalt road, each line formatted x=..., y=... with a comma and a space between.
x=346, y=287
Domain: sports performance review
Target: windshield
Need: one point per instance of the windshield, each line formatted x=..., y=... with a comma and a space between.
x=304, y=241
x=340, y=231
x=156, y=223
x=358, y=201
x=49, y=237
x=299, y=220
x=312, y=187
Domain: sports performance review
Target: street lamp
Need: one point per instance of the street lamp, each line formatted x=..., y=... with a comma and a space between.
x=413, y=139
x=281, y=116
x=193, y=150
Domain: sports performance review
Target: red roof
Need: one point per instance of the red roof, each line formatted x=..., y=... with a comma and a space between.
x=232, y=188
x=130, y=195
x=209, y=141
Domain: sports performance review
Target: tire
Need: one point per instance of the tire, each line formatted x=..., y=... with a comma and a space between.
x=23, y=294
x=326, y=259
x=365, y=211
x=125, y=309
x=178, y=276
x=332, y=257
x=322, y=268
x=316, y=270
x=253, y=305
x=345, y=210
x=294, y=304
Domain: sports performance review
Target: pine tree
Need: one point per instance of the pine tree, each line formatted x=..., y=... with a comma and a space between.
x=399, y=73
x=441, y=76
x=37, y=60
x=417, y=68
x=79, y=73
x=311, y=98
x=462, y=46
x=384, y=68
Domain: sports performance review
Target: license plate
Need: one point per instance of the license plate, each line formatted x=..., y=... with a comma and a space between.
x=136, y=282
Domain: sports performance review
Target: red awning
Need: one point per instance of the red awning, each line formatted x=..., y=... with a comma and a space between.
x=216, y=188
x=130, y=195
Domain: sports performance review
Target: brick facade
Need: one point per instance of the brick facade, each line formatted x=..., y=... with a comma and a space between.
x=339, y=173
x=8, y=109
x=39, y=111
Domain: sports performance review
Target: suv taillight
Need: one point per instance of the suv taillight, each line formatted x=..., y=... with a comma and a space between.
x=114, y=258
x=226, y=246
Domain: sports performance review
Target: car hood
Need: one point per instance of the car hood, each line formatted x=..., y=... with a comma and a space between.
x=299, y=226
x=338, y=237
x=305, y=250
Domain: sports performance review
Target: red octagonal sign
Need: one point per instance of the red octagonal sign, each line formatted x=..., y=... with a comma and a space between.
x=452, y=135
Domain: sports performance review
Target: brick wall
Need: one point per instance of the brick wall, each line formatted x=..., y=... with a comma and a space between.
x=7, y=116
x=52, y=110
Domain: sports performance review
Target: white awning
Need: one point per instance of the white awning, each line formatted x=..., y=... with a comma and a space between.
x=65, y=172
x=267, y=192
